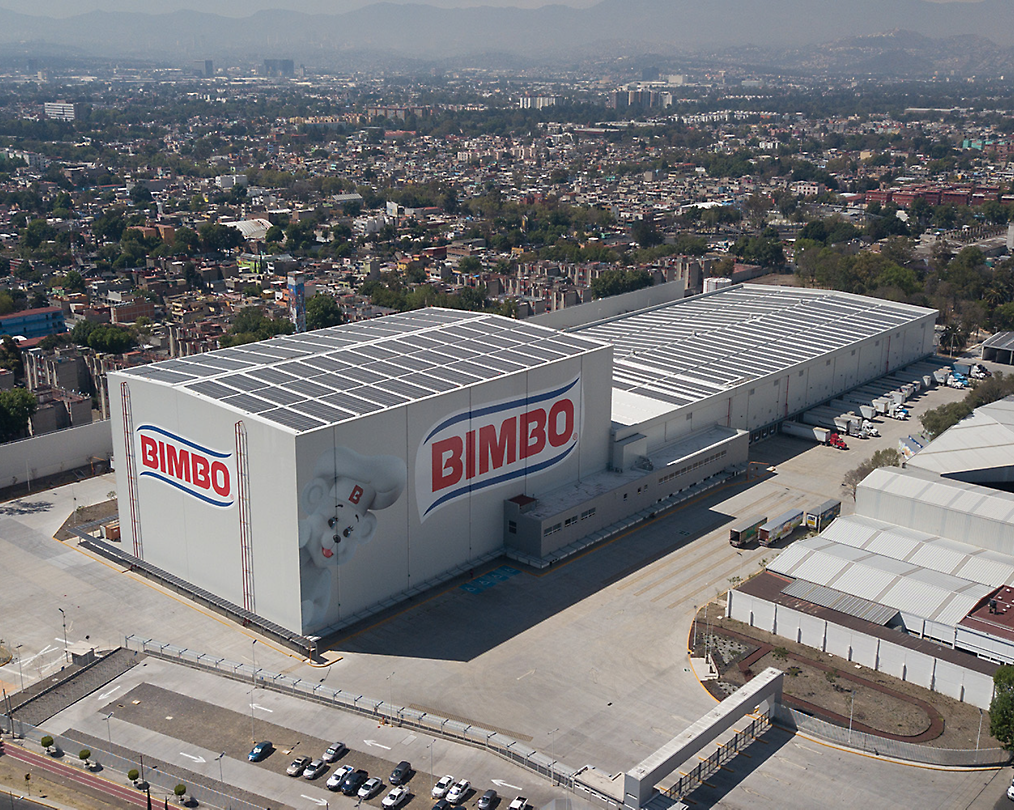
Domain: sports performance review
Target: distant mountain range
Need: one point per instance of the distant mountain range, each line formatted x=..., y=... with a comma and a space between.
x=549, y=34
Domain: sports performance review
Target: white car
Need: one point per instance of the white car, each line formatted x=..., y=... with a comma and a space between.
x=396, y=797
x=520, y=803
x=456, y=795
x=370, y=788
x=334, y=781
x=440, y=788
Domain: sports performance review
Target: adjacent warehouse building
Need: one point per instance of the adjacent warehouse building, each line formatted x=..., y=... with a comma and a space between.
x=929, y=552
x=312, y=478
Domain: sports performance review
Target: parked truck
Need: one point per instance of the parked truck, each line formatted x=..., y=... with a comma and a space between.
x=820, y=517
x=810, y=432
x=779, y=527
x=974, y=371
x=743, y=532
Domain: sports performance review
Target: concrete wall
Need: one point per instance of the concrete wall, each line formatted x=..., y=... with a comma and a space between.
x=897, y=660
x=53, y=453
x=611, y=307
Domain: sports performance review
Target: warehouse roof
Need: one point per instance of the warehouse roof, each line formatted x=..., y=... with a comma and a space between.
x=330, y=375
x=901, y=585
x=982, y=441
x=921, y=487
x=688, y=350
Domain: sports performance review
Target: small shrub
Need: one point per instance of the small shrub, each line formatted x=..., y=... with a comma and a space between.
x=47, y=741
x=133, y=774
x=831, y=677
x=780, y=653
x=179, y=790
x=84, y=753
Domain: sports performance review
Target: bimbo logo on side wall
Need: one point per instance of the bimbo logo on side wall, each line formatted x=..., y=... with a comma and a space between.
x=206, y=474
x=493, y=444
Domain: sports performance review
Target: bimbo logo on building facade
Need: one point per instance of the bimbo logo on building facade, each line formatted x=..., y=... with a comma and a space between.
x=206, y=474
x=493, y=444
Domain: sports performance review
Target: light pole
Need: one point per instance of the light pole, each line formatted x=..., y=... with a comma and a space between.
x=552, y=767
x=253, y=655
x=20, y=673
x=66, y=652
x=109, y=734
x=391, y=679
x=253, y=736
x=219, y=758
x=979, y=734
x=852, y=711
x=433, y=775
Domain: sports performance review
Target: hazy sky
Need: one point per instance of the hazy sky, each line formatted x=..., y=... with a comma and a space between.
x=242, y=8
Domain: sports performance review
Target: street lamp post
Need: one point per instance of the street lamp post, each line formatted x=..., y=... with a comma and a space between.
x=433, y=775
x=979, y=734
x=219, y=758
x=391, y=679
x=109, y=734
x=66, y=652
x=253, y=656
x=552, y=767
x=852, y=711
x=20, y=673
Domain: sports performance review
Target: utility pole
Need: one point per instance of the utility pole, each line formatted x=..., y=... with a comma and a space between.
x=852, y=711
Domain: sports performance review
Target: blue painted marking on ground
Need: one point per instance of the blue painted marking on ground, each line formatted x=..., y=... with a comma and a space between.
x=488, y=580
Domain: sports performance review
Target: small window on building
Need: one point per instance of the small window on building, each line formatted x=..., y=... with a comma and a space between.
x=570, y=521
x=512, y=527
x=588, y=513
x=624, y=496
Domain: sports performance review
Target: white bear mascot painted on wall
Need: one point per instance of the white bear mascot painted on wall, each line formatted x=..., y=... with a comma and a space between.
x=338, y=506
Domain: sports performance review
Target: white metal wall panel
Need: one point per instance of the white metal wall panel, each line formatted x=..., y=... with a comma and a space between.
x=811, y=629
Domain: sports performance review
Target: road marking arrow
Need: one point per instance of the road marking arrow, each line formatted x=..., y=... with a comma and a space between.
x=314, y=799
x=377, y=745
x=105, y=695
x=198, y=760
x=262, y=708
x=501, y=783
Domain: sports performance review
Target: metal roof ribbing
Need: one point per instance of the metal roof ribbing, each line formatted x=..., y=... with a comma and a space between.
x=319, y=378
x=904, y=586
x=739, y=334
x=927, y=551
x=957, y=496
x=842, y=602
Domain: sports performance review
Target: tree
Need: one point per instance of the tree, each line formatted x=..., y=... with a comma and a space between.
x=216, y=238
x=10, y=357
x=251, y=325
x=617, y=282
x=645, y=233
x=73, y=282
x=1001, y=707
x=888, y=457
x=16, y=408
x=6, y=303
x=39, y=300
x=469, y=265
x=322, y=311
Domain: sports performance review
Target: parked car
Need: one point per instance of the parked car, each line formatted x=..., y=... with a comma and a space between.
x=370, y=788
x=520, y=803
x=402, y=772
x=443, y=804
x=353, y=781
x=440, y=788
x=396, y=797
x=314, y=769
x=298, y=766
x=487, y=800
x=457, y=793
x=260, y=751
x=334, y=752
x=334, y=781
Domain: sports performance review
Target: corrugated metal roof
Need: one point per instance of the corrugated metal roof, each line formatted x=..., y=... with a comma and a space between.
x=693, y=348
x=840, y=601
x=982, y=441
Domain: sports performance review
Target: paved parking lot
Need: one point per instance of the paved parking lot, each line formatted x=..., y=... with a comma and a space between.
x=587, y=660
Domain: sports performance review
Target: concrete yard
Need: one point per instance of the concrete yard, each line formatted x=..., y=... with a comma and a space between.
x=587, y=660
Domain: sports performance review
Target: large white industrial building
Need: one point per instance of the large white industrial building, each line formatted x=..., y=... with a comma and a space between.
x=312, y=478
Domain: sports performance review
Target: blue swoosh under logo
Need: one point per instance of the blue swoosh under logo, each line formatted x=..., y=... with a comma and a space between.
x=181, y=440
x=180, y=486
x=490, y=482
x=480, y=412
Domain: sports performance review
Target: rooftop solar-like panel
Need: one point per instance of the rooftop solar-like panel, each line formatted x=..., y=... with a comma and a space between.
x=351, y=403
x=271, y=375
x=380, y=396
x=319, y=410
x=309, y=388
x=247, y=402
x=210, y=388
x=280, y=395
x=292, y=419
x=243, y=382
x=166, y=376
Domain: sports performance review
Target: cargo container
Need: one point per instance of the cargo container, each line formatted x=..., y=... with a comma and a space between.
x=779, y=527
x=820, y=517
x=742, y=532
